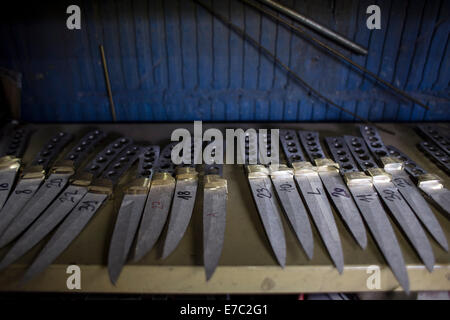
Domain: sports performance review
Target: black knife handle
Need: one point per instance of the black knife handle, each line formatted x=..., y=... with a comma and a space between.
x=411, y=167
x=311, y=143
x=436, y=135
x=147, y=161
x=121, y=163
x=84, y=147
x=373, y=140
x=104, y=158
x=16, y=142
x=360, y=152
x=439, y=156
x=164, y=163
x=341, y=154
x=291, y=146
x=52, y=149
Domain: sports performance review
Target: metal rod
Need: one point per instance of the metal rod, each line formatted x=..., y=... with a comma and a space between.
x=316, y=26
x=108, y=84
x=338, y=54
x=265, y=51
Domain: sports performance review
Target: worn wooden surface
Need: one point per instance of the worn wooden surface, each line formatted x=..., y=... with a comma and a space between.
x=247, y=263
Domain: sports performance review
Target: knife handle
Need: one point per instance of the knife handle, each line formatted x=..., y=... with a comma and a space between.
x=373, y=140
x=52, y=149
x=311, y=143
x=439, y=156
x=16, y=143
x=360, y=152
x=435, y=134
x=147, y=160
x=341, y=154
x=85, y=146
x=291, y=146
x=121, y=163
x=410, y=166
x=104, y=158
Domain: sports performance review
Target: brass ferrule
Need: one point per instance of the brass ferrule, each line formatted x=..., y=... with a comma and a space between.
x=357, y=179
x=63, y=167
x=138, y=186
x=9, y=163
x=82, y=179
x=257, y=171
x=162, y=178
x=430, y=181
x=215, y=182
x=326, y=165
x=280, y=170
x=186, y=173
x=34, y=172
x=391, y=163
x=304, y=168
x=379, y=175
x=102, y=186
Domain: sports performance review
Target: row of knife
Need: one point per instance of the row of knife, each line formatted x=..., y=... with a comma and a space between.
x=64, y=195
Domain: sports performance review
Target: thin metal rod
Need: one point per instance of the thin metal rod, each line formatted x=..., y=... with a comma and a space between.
x=108, y=84
x=265, y=51
x=316, y=26
x=338, y=54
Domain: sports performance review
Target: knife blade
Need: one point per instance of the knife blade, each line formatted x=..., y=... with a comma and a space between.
x=130, y=213
x=52, y=186
x=32, y=178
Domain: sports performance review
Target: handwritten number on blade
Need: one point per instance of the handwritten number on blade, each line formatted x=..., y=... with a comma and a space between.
x=391, y=195
x=365, y=197
x=68, y=196
x=263, y=193
x=186, y=195
x=286, y=187
x=4, y=186
x=318, y=192
x=88, y=205
x=401, y=182
x=26, y=191
x=54, y=183
x=339, y=192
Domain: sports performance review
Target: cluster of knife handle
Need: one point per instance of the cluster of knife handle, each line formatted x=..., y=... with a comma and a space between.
x=364, y=181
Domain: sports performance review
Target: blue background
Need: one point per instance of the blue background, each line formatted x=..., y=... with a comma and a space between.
x=171, y=61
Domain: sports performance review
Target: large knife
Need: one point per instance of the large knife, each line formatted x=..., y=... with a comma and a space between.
x=371, y=208
x=99, y=191
x=130, y=212
x=59, y=177
x=157, y=205
x=336, y=188
x=264, y=197
x=214, y=216
x=431, y=185
x=390, y=195
x=311, y=187
x=405, y=186
x=13, y=148
x=65, y=202
x=32, y=178
x=282, y=178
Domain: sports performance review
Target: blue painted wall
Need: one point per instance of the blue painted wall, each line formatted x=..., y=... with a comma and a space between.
x=171, y=61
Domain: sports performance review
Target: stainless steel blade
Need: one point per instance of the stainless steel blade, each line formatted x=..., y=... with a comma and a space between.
x=440, y=196
x=7, y=178
x=47, y=221
x=69, y=229
x=44, y=196
x=127, y=223
x=154, y=218
x=407, y=221
x=345, y=205
x=270, y=216
x=376, y=218
x=295, y=211
x=412, y=195
x=214, y=221
x=24, y=191
x=312, y=190
x=180, y=214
